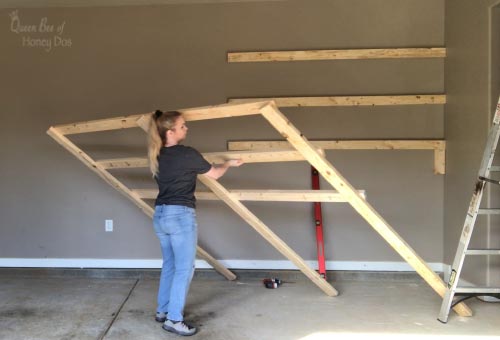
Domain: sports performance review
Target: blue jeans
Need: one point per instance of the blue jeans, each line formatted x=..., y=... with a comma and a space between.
x=176, y=227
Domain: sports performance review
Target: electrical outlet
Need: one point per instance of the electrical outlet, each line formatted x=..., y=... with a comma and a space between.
x=108, y=225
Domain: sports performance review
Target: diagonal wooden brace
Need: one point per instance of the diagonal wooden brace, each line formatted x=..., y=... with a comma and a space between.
x=134, y=197
x=288, y=130
x=267, y=233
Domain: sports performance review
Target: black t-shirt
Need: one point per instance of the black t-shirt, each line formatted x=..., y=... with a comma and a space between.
x=178, y=167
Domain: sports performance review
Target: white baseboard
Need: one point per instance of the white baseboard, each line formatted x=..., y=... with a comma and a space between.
x=201, y=264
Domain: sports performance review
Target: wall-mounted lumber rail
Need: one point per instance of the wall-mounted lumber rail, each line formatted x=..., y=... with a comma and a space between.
x=342, y=144
x=417, y=99
x=438, y=146
x=339, y=54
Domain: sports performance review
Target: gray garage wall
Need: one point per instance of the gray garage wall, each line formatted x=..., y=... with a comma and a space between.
x=126, y=60
x=472, y=84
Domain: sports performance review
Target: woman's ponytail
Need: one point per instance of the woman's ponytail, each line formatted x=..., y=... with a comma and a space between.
x=159, y=124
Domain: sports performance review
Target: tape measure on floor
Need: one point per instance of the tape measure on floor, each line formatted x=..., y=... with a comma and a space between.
x=272, y=283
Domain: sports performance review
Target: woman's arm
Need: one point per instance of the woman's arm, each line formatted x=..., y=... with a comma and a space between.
x=218, y=170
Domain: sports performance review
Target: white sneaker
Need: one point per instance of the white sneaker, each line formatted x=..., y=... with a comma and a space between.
x=179, y=327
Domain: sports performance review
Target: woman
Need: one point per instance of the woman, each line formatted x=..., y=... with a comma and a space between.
x=175, y=168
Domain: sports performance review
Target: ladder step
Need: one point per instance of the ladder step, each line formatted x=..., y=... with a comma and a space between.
x=485, y=290
x=495, y=168
x=483, y=252
x=489, y=211
x=489, y=180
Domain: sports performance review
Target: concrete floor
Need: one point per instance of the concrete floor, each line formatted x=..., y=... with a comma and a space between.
x=77, y=305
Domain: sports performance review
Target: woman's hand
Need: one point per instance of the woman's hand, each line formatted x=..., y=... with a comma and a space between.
x=218, y=170
x=234, y=162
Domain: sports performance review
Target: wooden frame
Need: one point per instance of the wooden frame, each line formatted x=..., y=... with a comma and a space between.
x=378, y=53
x=271, y=113
x=438, y=146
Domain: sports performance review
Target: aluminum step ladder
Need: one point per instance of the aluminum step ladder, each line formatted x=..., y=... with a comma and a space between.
x=463, y=246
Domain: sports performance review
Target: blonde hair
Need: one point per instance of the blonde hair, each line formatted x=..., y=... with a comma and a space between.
x=159, y=124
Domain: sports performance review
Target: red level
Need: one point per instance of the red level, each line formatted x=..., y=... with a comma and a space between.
x=318, y=221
